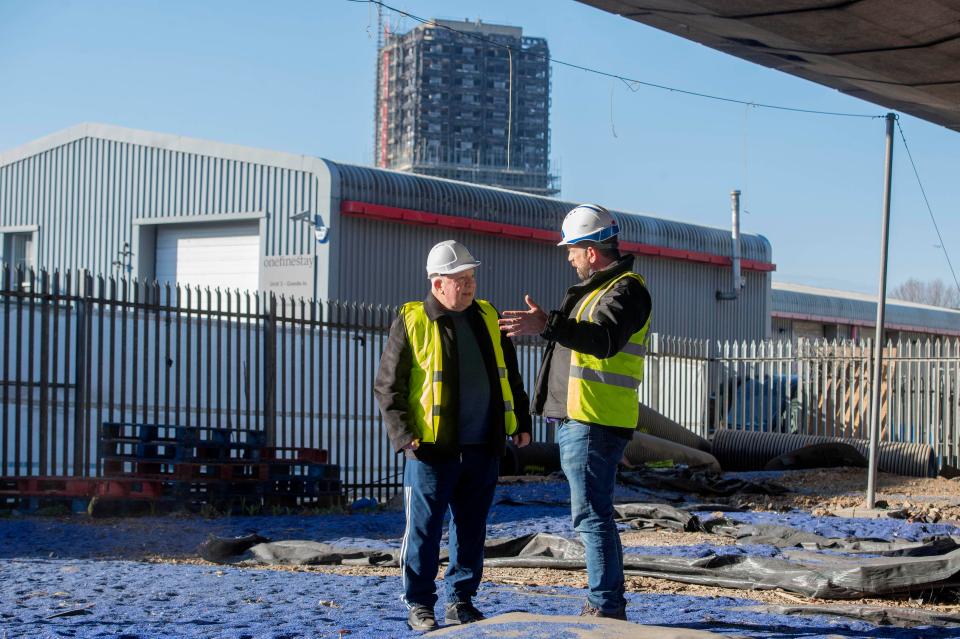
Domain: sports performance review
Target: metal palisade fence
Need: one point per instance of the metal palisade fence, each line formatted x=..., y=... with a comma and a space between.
x=78, y=352
x=809, y=387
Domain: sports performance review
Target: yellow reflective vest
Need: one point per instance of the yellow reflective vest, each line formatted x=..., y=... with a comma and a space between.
x=426, y=384
x=604, y=391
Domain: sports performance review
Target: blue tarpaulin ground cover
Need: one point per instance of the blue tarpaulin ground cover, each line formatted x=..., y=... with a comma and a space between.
x=100, y=573
x=131, y=599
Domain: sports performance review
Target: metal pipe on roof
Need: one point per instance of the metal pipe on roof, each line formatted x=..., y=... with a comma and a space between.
x=736, y=281
x=735, y=236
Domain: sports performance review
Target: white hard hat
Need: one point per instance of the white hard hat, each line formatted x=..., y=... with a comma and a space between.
x=588, y=223
x=449, y=257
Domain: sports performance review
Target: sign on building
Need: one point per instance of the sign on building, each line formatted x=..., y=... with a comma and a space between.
x=290, y=275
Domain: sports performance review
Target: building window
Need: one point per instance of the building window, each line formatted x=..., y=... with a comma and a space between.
x=18, y=254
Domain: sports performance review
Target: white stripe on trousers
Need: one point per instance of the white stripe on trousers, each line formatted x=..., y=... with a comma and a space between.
x=407, y=492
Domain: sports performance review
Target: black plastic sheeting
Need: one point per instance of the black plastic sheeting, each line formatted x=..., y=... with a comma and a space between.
x=222, y=549
x=901, y=566
x=686, y=481
x=810, y=575
x=787, y=537
x=902, y=617
x=297, y=552
x=659, y=516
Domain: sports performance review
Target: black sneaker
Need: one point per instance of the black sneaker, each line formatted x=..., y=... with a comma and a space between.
x=590, y=611
x=421, y=619
x=462, y=612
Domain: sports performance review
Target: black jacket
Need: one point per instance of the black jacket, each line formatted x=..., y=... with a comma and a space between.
x=391, y=386
x=621, y=312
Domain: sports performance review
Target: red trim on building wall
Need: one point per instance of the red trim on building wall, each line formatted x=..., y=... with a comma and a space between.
x=410, y=216
x=843, y=321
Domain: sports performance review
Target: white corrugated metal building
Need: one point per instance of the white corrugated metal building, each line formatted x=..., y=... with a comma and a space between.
x=800, y=311
x=156, y=206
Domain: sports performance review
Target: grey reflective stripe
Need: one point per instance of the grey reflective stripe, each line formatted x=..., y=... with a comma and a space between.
x=502, y=372
x=436, y=410
x=634, y=349
x=507, y=405
x=604, y=377
x=438, y=376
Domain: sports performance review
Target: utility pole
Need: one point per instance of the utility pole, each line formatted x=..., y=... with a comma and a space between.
x=881, y=311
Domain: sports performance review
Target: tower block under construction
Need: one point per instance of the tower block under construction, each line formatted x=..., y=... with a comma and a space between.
x=467, y=101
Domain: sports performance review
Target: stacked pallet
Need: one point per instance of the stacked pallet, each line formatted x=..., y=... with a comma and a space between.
x=149, y=468
x=74, y=494
x=218, y=466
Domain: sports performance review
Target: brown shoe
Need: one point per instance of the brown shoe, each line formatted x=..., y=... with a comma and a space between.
x=462, y=612
x=421, y=619
x=590, y=611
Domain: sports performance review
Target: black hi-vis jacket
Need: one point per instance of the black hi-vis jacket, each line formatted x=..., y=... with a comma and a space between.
x=391, y=387
x=620, y=313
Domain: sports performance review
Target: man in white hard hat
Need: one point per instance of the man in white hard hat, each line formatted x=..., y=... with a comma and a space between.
x=587, y=385
x=450, y=392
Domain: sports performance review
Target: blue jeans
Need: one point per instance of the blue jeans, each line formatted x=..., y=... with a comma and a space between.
x=465, y=485
x=589, y=456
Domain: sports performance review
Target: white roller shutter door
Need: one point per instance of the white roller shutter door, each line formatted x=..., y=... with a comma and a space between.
x=209, y=254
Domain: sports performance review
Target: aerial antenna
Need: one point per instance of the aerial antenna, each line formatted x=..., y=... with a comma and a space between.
x=381, y=102
x=379, y=26
x=377, y=90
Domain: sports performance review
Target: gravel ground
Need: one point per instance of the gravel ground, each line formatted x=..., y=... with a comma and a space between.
x=128, y=600
x=76, y=577
x=823, y=490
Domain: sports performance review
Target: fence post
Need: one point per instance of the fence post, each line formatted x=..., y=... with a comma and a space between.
x=654, y=349
x=80, y=379
x=44, y=371
x=5, y=301
x=270, y=372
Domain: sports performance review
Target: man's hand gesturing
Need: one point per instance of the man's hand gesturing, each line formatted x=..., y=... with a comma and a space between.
x=530, y=322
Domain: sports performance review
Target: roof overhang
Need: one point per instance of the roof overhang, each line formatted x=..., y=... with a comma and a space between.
x=900, y=55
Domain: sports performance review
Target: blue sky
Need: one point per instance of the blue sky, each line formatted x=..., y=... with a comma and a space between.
x=298, y=76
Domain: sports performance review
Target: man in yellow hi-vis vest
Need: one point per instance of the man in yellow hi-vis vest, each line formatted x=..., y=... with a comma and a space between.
x=450, y=392
x=587, y=385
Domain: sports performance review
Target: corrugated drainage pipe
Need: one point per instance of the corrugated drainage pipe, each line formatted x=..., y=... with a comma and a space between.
x=536, y=458
x=751, y=450
x=645, y=448
x=509, y=464
x=653, y=423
